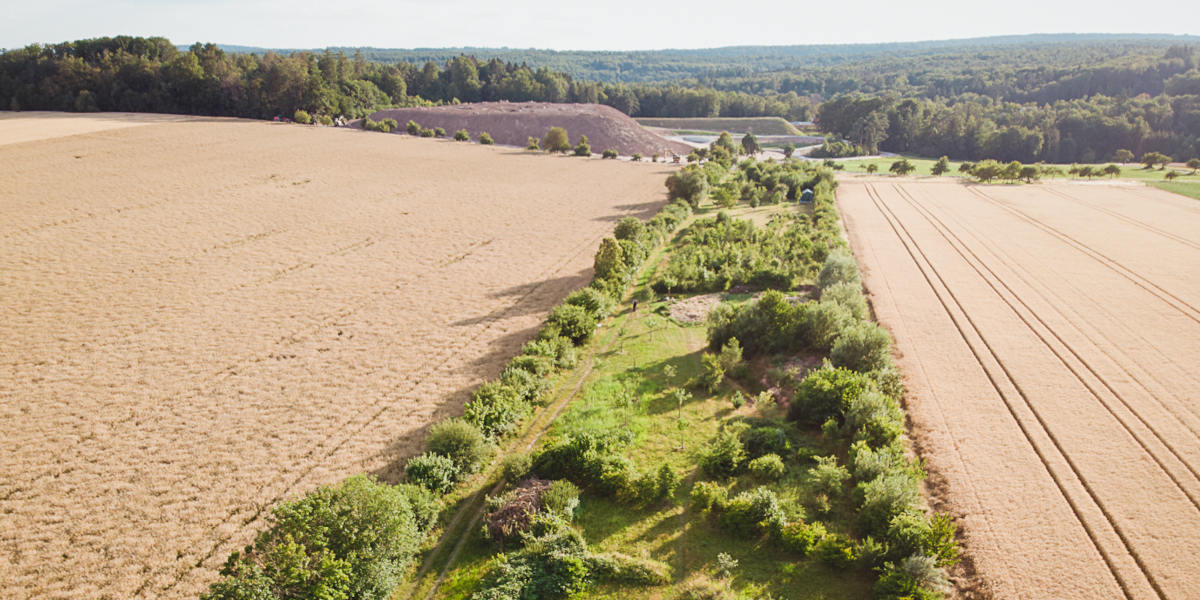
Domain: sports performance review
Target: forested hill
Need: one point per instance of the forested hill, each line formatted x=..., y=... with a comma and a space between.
x=645, y=66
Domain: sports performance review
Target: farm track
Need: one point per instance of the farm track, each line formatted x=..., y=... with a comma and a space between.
x=1097, y=447
x=205, y=317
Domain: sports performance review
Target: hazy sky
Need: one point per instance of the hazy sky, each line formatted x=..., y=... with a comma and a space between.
x=562, y=24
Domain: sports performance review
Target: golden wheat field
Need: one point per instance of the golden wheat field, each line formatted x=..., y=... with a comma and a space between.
x=201, y=317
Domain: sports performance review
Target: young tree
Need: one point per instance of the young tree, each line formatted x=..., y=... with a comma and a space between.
x=1112, y=171
x=1123, y=156
x=726, y=141
x=902, y=167
x=941, y=166
x=1194, y=165
x=1155, y=158
x=556, y=140
x=1012, y=171
x=750, y=144
x=1051, y=171
x=789, y=149
x=533, y=144
x=987, y=170
x=966, y=168
x=1029, y=173
x=872, y=167
x=1171, y=175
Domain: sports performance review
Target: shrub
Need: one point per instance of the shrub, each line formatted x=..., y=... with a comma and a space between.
x=885, y=497
x=561, y=498
x=828, y=476
x=914, y=532
x=426, y=132
x=609, y=153
x=723, y=457
x=707, y=495
x=558, y=349
x=609, y=262
x=595, y=302
x=426, y=506
x=915, y=578
x=433, y=472
x=825, y=393
x=867, y=464
x=835, y=551
x=818, y=324
x=516, y=467
x=874, y=418
x=760, y=441
x=688, y=184
x=705, y=589
x=620, y=568
x=630, y=228
x=412, y=128
x=738, y=399
x=461, y=442
x=667, y=481
x=839, y=267
x=496, y=409
x=637, y=157
x=461, y=135
x=849, y=296
x=713, y=374
x=325, y=120
x=389, y=125
x=533, y=144
x=800, y=537
x=753, y=512
x=556, y=140
x=351, y=540
x=863, y=346
x=725, y=565
x=439, y=132
x=768, y=467
x=302, y=117
x=583, y=149
x=485, y=138
x=573, y=321
x=526, y=385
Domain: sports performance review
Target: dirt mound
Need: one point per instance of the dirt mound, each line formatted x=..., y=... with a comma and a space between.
x=512, y=123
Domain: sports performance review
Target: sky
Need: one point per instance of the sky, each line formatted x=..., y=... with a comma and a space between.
x=575, y=25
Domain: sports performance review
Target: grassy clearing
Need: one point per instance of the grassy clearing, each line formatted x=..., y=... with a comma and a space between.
x=699, y=126
x=1190, y=188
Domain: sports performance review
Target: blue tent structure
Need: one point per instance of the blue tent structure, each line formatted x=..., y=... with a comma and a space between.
x=806, y=196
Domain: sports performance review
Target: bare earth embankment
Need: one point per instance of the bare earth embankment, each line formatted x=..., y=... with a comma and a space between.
x=1050, y=336
x=200, y=318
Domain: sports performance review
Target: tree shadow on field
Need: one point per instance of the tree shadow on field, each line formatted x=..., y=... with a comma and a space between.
x=412, y=442
x=641, y=210
x=531, y=298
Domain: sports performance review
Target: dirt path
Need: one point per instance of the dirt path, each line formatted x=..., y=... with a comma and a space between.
x=1049, y=335
x=201, y=318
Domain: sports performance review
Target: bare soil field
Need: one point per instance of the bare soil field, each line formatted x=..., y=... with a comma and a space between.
x=28, y=126
x=203, y=317
x=1049, y=335
x=513, y=123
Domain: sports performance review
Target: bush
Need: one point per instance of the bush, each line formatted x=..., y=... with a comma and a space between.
x=351, y=540
x=426, y=132
x=828, y=477
x=800, y=537
x=583, y=149
x=637, y=157
x=707, y=495
x=558, y=349
x=573, y=321
x=412, y=128
x=825, y=393
x=302, y=117
x=595, y=302
x=461, y=135
x=760, y=441
x=839, y=267
x=874, y=418
x=768, y=467
x=818, y=324
x=439, y=132
x=885, y=497
x=425, y=505
x=689, y=184
x=389, y=125
x=849, y=296
x=914, y=532
x=485, y=138
x=723, y=457
x=461, y=442
x=713, y=374
x=516, y=467
x=496, y=409
x=863, y=346
x=753, y=512
x=562, y=499
x=609, y=262
x=835, y=551
x=433, y=472
x=556, y=140
x=915, y=578
x=867, y=464
x=533, y=144
x=705, y=589
x=610, y=153
x=524, y=384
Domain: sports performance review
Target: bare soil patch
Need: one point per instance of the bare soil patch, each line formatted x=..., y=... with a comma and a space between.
x=1049, y=336
x=513, y=123
x=694, y=309
x=29, y=126
x=203, y=317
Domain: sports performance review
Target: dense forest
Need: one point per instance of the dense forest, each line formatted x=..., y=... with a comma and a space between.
x=1031, y=98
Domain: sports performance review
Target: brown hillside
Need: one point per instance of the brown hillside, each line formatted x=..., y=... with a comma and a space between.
x=512, y=123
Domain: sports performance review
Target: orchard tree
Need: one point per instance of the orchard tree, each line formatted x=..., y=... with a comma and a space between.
x=1123, y=156
x=1030, y=172
x=941, y=166
x=902, y=167
x=872, y=167
x=1112, y=171
x=987, y=170
x=1155, y=158
x=1194, y=165
x=1051, y=171
x=967, y=168
x=1170, y=175
x=1012, y=171
x=556, y=140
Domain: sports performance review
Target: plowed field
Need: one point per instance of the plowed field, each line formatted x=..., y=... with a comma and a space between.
x=200, y=318
x=1050, y=335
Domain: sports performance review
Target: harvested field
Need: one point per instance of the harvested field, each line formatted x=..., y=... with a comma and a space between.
x=1050, y=336
x=203, y=317
x=513, y=123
